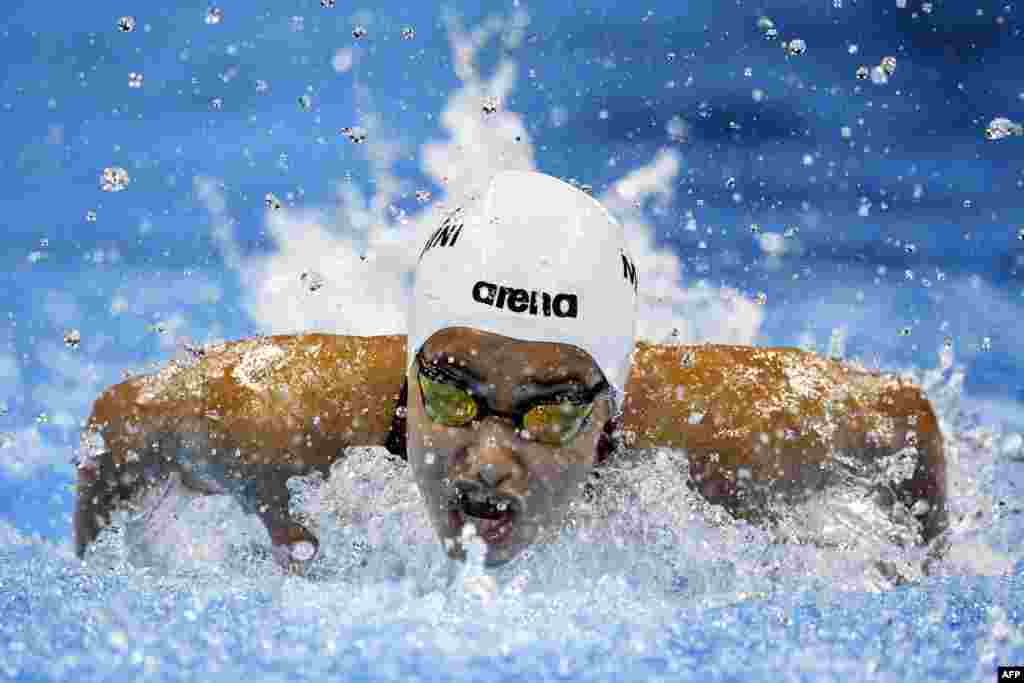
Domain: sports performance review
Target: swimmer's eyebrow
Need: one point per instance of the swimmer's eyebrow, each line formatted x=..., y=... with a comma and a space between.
x=525, y=391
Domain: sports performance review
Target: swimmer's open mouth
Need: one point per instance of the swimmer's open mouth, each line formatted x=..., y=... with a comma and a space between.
x=493, y=516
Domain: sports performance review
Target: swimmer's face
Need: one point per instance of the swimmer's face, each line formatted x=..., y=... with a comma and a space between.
x=507, y=482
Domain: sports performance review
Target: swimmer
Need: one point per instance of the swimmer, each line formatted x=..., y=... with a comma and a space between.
x=520, y=375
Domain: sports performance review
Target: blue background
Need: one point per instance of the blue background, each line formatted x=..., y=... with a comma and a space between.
x=607, y=79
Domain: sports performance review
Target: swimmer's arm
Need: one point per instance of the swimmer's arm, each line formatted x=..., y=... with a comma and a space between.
x=240, y=418
x=783, y=417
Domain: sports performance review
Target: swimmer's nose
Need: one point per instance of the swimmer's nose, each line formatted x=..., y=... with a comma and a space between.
x=492, y=463
x=489, y=475
x=495, y=472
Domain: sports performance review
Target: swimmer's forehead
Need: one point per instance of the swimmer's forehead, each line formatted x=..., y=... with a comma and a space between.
x=494, y=358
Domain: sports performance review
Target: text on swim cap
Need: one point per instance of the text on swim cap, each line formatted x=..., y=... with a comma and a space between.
x=629, y=271
x=447, y=234
x=526, y=301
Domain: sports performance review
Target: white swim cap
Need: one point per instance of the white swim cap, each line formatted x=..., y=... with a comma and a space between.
x=534, y=259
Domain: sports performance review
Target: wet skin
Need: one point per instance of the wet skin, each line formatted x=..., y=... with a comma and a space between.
x=757, y=425
x=492, y=460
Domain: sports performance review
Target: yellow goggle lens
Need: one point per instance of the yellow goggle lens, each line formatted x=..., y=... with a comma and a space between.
x=453, y=406
x=447, y=404
x=556, y=424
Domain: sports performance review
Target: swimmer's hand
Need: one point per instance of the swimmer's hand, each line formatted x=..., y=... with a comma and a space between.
x=239, y=419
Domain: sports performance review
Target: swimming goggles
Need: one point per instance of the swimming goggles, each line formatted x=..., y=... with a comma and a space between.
x=556, y=419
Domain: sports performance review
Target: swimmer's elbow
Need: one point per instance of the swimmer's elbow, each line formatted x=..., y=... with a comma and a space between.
x=928, y=485
x=934, y=492
x=94, y=501
x=102, y=480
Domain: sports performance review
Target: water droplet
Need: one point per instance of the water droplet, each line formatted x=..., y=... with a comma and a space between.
x=986, y=343
x=878, y=76
x=302, y=551
x=72, y=339
x=730, y=183
x=42, y=418
x=920, y=508
x=114, y=179
x=217, y=103
x=214, y=15
x=126, y=24
x=862, y=73
x=271, y=202
x=927, y=7
x=328, y=4
x=1002, y=127
x=765, y=24
x=837, y=343
x=423, y=196
x=408, y=33
x=90, y=216
x=312, y=280
x=134, y=80
x=359, y=32
x=305, y=102
x=356, y=134
x=796, y=47
x=678, y=130
x=262, y=86
x=755, y=228
x=905, y=331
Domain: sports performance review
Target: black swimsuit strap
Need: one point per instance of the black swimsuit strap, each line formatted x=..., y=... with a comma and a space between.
x=610, y=442
x=395, y=442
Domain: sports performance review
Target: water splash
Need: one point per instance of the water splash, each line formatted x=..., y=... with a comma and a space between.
x=644, y=580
